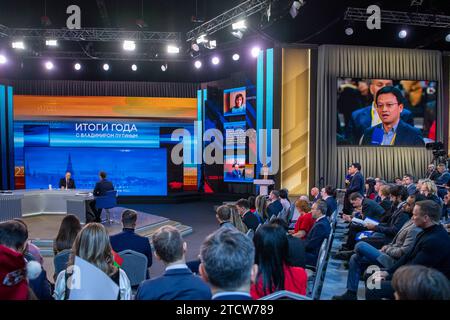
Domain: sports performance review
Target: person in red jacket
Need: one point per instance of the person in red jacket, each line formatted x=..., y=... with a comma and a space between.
x=305, y=221
x=274, y=272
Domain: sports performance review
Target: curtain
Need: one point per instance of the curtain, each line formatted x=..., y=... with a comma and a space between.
x=104, y=88
x=369, y=62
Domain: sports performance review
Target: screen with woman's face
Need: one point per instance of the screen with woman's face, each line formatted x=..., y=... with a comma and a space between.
x=234, y=102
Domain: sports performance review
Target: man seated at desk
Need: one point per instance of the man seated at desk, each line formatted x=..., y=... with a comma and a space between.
x=101, y=187
x=67, y=182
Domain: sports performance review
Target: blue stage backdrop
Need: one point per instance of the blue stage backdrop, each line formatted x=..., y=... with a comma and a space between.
x=128, y=169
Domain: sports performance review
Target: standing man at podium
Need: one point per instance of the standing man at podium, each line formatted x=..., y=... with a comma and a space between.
x=67, y=182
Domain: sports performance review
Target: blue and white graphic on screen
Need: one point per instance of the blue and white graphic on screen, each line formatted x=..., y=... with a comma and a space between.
x=133, y=171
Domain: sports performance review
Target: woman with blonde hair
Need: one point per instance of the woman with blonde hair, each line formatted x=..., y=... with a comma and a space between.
x=236, y=219
x=429, y=191
x=261, y=208
x=92, y=245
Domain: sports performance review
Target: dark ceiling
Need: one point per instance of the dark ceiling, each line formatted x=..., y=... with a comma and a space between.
x=318, y=22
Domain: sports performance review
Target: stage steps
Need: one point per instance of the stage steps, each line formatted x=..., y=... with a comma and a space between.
x=46, y=245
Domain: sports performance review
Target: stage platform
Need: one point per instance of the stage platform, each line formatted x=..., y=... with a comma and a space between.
x=43, y=228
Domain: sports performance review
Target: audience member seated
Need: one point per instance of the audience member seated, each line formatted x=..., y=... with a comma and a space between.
x=92, y=245
x=429, y=190
x=250, y=220
x=446, y=206
x=305, y=221
x=252, y=204
x=383, y=233
x=261, y=208
x=319, y=232
x=408, y=182
x=365, y=208
x=275, y=206
x=366, y=255
x=100, y=190
x=236, y=219
x=420, y=283
x=296, y=254
x=284, y=199
x=227, y=264
x=178, y=282
x=223, y=216
x=68, y=231
x=40, y=285
x=129, y=240
x=315, y=194
x=329, y=196
x=443, y=179
x=378, y=184
x=430, y=249
x=384, y=197
x=274, y=272
x=13, y=267
x=370, y=188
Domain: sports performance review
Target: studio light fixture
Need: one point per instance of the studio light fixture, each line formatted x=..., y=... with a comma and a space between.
x=51, y=43
x=129, y=45
x=49, y=65
x=18, y=45
x=215, y=60
x=255, y=51
x=134, y=67
x=212, y=44
x=173, y=49
x=164, y=67
x=238, y=34
x=77, y=66
x=106, y=67
x=403, y=34
x=296, y=5
x=198, y=64
x=239, y=25
x=3, y=59
x=447, y=38
x=236, y=57
x=349, y=31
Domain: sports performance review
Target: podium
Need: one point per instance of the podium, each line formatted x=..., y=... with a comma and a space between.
x=263, y=186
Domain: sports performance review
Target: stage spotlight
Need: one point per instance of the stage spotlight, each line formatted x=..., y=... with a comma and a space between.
x=198, y=64
x=201, y=39
x=349, y=31
x=296, y=5
x=195, y=47
x=215, y=60
x=447, y=38
x=236, y=57
x=18, y=45
x=3, y=59
x=238, y=34
x=173, y=49
x=255, y=51
x=51, y=43
x=403, y=34
x=106, y=67
x=212, y=44
x=164, y=67
x=49, y=65
x=129, y=45
x=134, y=67
x=240, y=25
x=77, y=66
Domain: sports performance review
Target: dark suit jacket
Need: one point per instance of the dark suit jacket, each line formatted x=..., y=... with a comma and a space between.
x=331, y=205
x=175, y=284
x=236, y=174
x=233, y=296
x=431, y=249
x=362, y=119
x=372, y=210
x=406, y=135
x=386, y=204
x=71, y=184
x=274, y=208
x=394, y=224
x=296, y=254
x=102, y=187
x=129, y=240
x=250, y=220
x=356, y=184
x=320, y=231
x=411, y=189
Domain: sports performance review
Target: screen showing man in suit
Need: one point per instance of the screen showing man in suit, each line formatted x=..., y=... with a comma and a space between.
x=358, y=110
x=67, y=182
x=392, y=131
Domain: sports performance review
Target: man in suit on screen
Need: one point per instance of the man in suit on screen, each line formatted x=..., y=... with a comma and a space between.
x=368, y=117
x=67, y=182
x=392, y=131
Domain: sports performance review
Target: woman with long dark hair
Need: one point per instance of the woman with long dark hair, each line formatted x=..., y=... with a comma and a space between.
x=274, y=272
x=370, y=188
x=70, y=226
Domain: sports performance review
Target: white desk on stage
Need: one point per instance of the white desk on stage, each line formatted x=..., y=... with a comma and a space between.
x=263, y=185
x=20, y=203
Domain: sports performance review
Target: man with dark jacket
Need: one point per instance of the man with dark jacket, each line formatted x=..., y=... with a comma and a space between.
x=249, y=218
x=275, y=206
x=329, y=196
x=356, y=185
x=129, y=240
x=101, y=187
x=319, y=232
x=431, y=249
x=178, y=282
